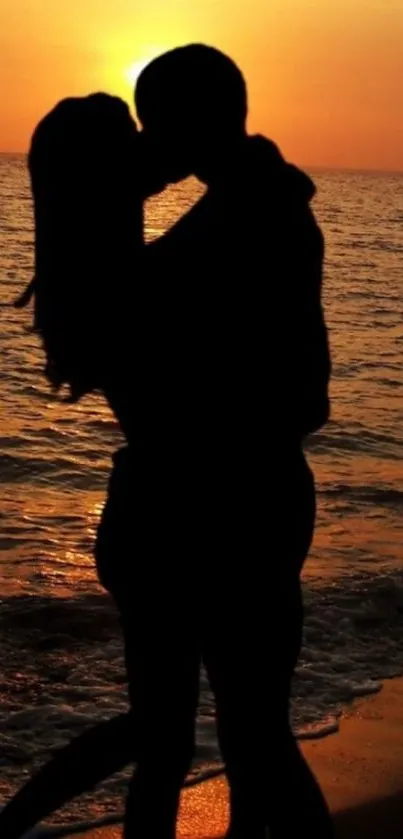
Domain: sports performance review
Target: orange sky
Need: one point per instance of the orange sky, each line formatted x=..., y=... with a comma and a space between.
x=325, y=76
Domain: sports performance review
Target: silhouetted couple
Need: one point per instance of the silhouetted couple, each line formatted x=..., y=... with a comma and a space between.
x=210, y=346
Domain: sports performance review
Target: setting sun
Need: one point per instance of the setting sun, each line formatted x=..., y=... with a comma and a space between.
x=323, y=77
x=132, y=72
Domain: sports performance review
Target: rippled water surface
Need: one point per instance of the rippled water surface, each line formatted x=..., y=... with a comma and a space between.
x=61, y=652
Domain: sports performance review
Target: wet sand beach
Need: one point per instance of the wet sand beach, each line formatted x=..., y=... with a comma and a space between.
x=360, y=769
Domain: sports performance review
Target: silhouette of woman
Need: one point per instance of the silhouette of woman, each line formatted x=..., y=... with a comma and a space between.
x=88, y=180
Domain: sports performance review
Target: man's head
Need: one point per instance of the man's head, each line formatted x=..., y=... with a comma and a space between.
x=192, y=103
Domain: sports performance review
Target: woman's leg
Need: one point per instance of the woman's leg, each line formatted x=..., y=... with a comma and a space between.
x=110, y=746
x=163, y=666
x=77, y=768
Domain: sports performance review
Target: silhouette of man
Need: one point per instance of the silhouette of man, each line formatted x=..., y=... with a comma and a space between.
x=240, y=376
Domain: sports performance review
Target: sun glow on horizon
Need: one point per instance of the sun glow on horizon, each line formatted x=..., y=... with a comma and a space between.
x=324, y=78
x=132, y=72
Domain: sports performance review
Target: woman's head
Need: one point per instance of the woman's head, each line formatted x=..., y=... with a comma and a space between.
x=87, y=195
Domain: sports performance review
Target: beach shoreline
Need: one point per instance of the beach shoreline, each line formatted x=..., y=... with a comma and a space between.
x=360, y=769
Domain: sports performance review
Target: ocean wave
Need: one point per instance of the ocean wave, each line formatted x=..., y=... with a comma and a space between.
x=378, y=496
x=363, y=440
x=62, y=471
x=103, y=424
x=71, y=652
x=11, y=442
x=379, y=245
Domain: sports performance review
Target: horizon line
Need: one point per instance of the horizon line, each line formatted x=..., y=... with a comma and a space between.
x=318, y=166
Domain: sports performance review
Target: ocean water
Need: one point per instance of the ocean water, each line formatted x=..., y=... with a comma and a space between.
x=61, y=654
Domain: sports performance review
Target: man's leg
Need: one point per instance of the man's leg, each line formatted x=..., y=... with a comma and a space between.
x=289, y=775
x=251, y=657
x=270, y=782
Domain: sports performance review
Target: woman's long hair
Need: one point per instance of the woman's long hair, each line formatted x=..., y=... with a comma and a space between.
x=88, y=227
